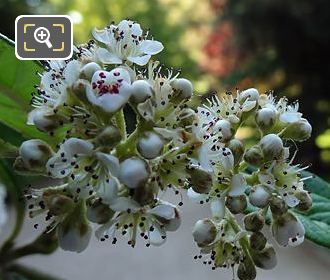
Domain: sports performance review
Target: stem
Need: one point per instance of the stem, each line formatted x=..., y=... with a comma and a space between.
x=121, y=124
x=244, y=242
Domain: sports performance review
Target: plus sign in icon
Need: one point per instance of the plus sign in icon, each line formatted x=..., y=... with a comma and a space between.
x=43, y=37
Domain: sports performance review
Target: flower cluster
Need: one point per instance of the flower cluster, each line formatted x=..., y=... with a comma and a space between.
x=111, y=178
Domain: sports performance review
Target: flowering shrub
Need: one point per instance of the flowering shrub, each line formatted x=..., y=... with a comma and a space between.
x=114, y=178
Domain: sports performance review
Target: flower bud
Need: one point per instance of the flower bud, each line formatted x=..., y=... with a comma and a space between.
x=258, y=241
x=225, y=129
x=272, y=147
x=236, y=204
x=89, y=69
x=278, y=206
x=182, y=88
x=305, y=201
x=254, y=156
x=237, y=148
x=99, y=213
x=74, y=232
x=141, y=91
x=201, y=180
x=259, y=197
x=133, y=172
x=44, y=120
x=33, y=156
x=298, y=131
x=109, y=137
x=58, y=204
x=250, y=93
x=246, y=270
x=265, y=259
x=204, y=232
x=265, y=118
x=150, y=145
x=254, y=222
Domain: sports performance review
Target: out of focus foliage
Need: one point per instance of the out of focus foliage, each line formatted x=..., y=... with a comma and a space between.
x=280, y=45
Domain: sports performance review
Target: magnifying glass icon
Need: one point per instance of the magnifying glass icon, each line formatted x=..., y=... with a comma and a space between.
x=41, y=35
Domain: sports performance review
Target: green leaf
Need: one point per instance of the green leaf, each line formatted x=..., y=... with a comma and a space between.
x=317, y=220
x=17, y=78
x=7, y=149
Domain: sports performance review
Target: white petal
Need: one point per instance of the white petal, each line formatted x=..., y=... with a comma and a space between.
x=164, y=211
x=75, y=146
x=110, y=162
x=101, y=36
x=107, y=190
x=72, y=240
x=108, y=57
x=290, y=117
x=197, y=197
x=156, y=236
x=238, y=185
x=151, y=47
x=123, y=204
x=140, y=60
x=71, y=72
x=218, y=208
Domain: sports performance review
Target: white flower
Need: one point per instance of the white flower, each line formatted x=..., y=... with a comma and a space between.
x=52, y=91
x=3, y=210
x=110, y=90
x=68, y=156
x=150, y=222
x=125, y=41
x=284, y=179
x=288, y=230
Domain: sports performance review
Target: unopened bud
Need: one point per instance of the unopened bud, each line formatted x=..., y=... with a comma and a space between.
x=204, y=232
x=182, y=88
x=89, y=69
x=250, y=93
x=254, y=222
x=150, y=145
x=33, y=156
x=201, y=180
x=254, y=156
x=99, y=213
x=133, y=172
x=44, y=121
x=58, y=204
x=265, y=118
x=74, y=232
x=305, y=201
x=236, y=204
x=258, y=241
x=272, y=147
x=237, y=148
x=278, y=206
x=265, y=259
x=246, y=270
x=109, y=137
x=259, y=197
x=298, y=131
x=141, y=91
x=225, y=130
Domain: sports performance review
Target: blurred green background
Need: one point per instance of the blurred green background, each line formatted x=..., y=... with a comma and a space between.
x=223, y=45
